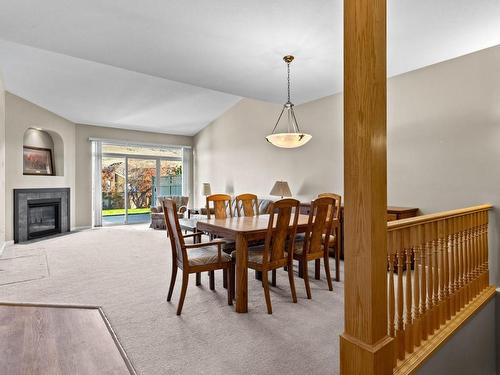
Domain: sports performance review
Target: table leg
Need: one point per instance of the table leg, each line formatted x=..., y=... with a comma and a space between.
x=198, y=274
x=241, y=273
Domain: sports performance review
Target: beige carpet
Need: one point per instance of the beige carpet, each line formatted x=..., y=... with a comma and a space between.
x=126, y=270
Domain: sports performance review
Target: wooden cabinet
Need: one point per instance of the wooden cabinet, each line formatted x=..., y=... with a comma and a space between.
x=393, y=213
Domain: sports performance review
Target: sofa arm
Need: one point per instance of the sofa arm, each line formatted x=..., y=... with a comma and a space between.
x=181, y=209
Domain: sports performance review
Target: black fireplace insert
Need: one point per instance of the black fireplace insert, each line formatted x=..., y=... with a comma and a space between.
x=44, y=217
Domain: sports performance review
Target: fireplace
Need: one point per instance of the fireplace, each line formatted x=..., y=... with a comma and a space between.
x=44, y=217
x=40, y=212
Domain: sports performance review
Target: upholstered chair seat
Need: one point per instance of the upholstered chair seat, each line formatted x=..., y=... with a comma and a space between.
x=255, y=254
x=299, y=239
x=206, y=255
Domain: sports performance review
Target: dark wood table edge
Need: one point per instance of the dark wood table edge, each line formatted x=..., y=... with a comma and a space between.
x=119, y=346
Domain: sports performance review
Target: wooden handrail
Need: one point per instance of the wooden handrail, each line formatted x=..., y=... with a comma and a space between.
x=437, y=277
x=403, y=223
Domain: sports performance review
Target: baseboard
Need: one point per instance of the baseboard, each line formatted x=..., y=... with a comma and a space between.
x=76, y=229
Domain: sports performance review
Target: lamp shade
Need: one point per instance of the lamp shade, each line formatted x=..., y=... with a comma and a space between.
x=281, y=189
x=206, y=189
x=288, y=140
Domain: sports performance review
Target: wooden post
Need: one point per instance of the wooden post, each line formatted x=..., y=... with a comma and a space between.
x=365, y=347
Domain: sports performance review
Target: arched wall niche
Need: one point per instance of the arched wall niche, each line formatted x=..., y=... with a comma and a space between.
x=49, y=139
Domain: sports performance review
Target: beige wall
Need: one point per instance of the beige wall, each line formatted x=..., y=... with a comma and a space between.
x=234, y=157
x=2, y=164
x=443, y=142
x=84, y=157
x=20, y=116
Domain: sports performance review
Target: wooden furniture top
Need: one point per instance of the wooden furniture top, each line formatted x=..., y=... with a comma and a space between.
x=401, y=210
x=58, y=339
x=244, y=224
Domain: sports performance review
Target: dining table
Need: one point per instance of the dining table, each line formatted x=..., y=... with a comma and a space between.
x=243, y=230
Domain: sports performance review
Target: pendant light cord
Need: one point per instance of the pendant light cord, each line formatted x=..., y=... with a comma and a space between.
x=288, y=80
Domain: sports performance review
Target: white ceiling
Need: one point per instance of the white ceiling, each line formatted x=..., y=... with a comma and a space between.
x=231, y=46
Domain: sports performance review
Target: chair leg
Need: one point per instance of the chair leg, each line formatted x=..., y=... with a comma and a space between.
x=317, y=269
x=224, y=280
x=273, y=277
x=172, y=281
x=229, y=294
x=232, y=280
x=185, y=279
x=301, y=269
x=337, y=263
x=292, y=283
x=265, y=284
x=198, y=278
x=327, y=271
x=211, y=276
x=306, y=279
x=258, y=275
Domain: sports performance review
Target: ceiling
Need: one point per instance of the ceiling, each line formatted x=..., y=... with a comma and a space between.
x=232, y=48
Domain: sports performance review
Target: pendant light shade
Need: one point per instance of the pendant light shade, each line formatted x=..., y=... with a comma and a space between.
x=292, y=137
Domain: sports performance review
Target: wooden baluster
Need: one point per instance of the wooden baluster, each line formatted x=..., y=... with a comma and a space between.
x=391, y=300
x=390, y=285
x=423, y=287
x=475, y=246
x=400, y=333
x=486, y=273
x=430, y=279
x=458, y=289
x=417, y=251
x=442, y=255
x=435, y=269
x=462, y=262
x=452, y=248
x=408, y=292
x=467, y=254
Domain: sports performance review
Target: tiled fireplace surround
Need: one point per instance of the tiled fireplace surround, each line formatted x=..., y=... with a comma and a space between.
x=23, y=196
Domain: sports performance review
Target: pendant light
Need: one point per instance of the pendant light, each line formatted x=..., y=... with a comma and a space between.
x=292, y=137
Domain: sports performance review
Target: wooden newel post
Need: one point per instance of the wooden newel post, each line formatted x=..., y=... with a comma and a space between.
x=365, y=347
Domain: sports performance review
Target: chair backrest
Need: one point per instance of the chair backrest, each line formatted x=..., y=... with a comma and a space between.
x=178, y=199
x=247, y=205
x=221, y=206
x=319, y=225
x=280, y=236
x=335, y=212
x=179, y=254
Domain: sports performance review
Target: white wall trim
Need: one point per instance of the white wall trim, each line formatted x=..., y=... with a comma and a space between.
x=135, y=143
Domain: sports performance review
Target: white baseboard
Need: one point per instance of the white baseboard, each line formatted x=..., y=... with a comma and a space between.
x=76, y=229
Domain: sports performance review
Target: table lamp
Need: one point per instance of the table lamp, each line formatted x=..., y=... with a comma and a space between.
x=281, y=189
x=206, y=189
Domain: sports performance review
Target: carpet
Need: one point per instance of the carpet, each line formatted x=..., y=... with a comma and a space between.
x=126, y=270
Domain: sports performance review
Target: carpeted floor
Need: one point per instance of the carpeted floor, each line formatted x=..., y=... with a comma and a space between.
x=126, y=270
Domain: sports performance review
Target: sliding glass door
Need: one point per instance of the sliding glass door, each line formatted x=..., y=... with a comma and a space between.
x=113, y=173
x=140, y=187
x=133, y=177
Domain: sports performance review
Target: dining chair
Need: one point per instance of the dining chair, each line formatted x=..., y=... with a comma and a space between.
x=277, y=251
x=315, y=246
x=247, y=205
x=193, y=258
x=221, y=209
x=221, y=206
x=334, y=239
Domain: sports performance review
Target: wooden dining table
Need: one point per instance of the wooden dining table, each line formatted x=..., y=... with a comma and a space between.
x=242, y=230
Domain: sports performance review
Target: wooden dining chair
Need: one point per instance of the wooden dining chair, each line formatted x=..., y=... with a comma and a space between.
x=221, y=209
x=193, y=258
x=315, y=246
x=247, y=205
x=221, y=206
x=277, y=251
x=334, y=239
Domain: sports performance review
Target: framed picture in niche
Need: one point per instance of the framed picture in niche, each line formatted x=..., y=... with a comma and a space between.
x=37, y=161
